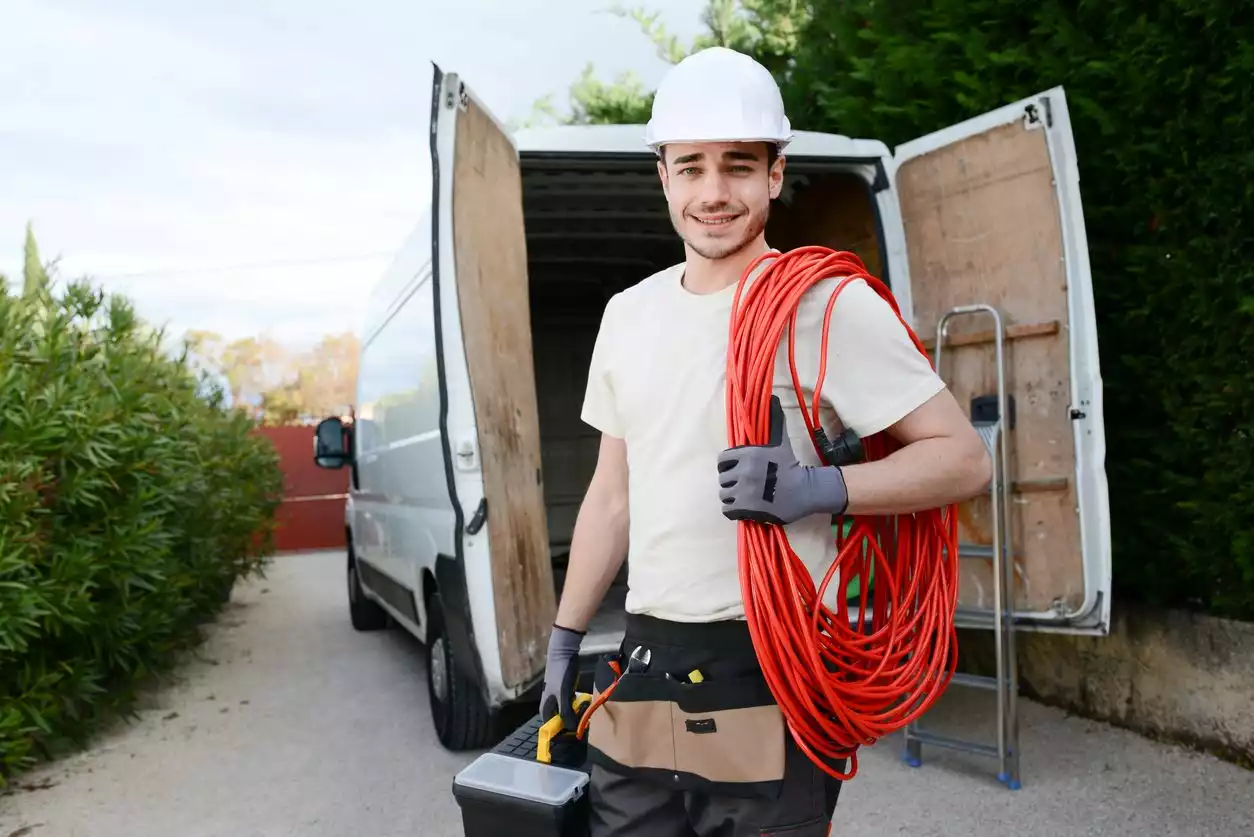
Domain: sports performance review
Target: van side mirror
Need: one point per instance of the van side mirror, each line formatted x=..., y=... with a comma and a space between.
x=331, y=444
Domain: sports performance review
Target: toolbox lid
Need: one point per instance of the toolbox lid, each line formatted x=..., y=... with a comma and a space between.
x=522, y=779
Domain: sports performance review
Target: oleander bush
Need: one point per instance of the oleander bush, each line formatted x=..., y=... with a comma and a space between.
x=131, y=500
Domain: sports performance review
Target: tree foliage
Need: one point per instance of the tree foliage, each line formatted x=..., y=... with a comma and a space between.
x=767, y=30
x=129, y=504
x=276, y=383
x=1161, y=104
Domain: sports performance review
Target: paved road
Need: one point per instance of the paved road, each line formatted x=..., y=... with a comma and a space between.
x=292, y=725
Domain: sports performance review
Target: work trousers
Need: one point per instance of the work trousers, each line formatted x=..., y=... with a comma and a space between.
x=694, y=744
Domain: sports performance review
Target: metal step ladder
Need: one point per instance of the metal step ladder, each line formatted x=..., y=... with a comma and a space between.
x=1006, y=683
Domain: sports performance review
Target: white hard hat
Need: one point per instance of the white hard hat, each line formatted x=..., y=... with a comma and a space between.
x=718, y=95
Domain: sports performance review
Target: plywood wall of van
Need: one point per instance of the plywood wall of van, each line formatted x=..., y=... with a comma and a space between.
x=983, y=226
x=828, y=210
x=494, y=296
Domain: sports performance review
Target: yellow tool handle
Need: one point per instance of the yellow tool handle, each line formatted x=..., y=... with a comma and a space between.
x=552, y=728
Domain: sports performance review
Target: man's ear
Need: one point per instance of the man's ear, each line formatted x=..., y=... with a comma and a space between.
x=776, y=177
x=664, y=177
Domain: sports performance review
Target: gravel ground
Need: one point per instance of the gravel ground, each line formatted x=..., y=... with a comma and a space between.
x=290, y=724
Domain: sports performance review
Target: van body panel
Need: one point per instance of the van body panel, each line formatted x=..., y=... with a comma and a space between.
x=991, y=214
x=396, y=433
x=465, y=576
x=489, y=270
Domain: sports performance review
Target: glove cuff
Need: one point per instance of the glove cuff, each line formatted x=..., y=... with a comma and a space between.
x=565, y=639
x=828, y=494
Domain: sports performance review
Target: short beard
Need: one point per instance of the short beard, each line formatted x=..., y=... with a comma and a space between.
x=715, y=250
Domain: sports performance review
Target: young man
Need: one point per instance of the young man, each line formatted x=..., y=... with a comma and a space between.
x=675, y=755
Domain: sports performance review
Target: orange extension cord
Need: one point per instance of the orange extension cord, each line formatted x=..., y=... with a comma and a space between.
x=839, y=685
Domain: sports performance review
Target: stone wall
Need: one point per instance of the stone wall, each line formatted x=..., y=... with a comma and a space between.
x=1168, y=674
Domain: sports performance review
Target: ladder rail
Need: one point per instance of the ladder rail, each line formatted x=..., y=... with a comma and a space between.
x=999, y=485
x=994, y=435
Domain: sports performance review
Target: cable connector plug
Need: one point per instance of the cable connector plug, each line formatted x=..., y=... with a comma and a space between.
x=846, y=450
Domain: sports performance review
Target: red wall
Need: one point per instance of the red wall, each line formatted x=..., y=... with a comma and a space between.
x=312, y=513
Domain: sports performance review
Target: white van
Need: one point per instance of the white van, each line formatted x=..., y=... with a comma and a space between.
x=468, y=457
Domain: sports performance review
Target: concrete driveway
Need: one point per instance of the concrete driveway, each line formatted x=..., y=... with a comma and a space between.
x=290, y=724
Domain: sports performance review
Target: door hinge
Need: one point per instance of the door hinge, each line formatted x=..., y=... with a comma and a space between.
x=880, y=183
x=1077, y=414
x=455, y=93
x=1038, y=115
x=480, y=516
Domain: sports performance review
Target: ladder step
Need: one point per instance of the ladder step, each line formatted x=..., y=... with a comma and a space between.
x=981, y=619
x=974, y=681
x=951, y=743
x=975, y=550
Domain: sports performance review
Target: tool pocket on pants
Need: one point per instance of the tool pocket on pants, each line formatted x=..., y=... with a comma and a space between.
x=730, y=732
x=633, y=727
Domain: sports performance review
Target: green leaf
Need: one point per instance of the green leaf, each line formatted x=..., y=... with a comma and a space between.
x=126, y=501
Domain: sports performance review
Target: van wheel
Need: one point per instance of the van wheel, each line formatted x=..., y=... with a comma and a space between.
x=365, y=614
x=460, y=714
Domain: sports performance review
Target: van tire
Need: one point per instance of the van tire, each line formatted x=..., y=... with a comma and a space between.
x=365, y=614
x=458, y=711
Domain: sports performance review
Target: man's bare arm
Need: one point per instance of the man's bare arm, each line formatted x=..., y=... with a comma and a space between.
x=942, y=461
x=599, y=544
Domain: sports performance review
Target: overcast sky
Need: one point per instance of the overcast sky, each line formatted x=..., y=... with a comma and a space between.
x=248, y=166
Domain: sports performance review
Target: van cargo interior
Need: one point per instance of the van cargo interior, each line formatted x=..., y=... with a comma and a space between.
x=596, y=224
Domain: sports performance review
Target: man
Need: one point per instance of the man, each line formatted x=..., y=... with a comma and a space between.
x=692, y=743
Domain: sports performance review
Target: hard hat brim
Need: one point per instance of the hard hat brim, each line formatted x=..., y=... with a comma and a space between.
x=657, y=143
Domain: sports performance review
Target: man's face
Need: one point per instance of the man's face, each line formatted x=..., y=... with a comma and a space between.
x=719, y=193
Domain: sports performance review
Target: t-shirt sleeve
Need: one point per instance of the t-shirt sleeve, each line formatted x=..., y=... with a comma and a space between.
x=599, y=407
x=875, y=374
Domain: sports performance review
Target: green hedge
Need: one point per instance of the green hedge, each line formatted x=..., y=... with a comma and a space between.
x=1161, y=102
x=130, y=501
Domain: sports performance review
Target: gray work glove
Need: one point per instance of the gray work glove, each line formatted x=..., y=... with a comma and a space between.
x=766, y=483
x=560, y=673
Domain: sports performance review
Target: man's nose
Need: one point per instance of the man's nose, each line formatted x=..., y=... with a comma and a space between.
x=714, y=189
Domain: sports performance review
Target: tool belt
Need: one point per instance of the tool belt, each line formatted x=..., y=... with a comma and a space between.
x=691, y=710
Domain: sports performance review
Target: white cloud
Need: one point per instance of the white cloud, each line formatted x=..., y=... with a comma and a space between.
x=141, y=136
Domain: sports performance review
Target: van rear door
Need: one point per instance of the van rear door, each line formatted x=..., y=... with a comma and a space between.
x=992, y=215
x=492, y=422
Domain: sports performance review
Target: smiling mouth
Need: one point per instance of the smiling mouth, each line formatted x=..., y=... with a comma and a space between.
x=715, y=220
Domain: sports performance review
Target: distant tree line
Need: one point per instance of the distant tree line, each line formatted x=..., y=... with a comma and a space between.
x=276, y=383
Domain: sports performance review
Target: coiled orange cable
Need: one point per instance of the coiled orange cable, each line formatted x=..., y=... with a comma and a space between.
x=841, y=682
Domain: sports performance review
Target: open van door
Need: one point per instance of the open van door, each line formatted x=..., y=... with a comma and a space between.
x=501, y=581
x=992, y=215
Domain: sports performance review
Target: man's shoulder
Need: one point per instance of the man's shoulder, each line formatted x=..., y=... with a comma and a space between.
x=856, y=289
x=646, y=290
x=856, y=298
x=861, y=314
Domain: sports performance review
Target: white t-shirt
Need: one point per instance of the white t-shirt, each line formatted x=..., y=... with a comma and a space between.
x=657, y=380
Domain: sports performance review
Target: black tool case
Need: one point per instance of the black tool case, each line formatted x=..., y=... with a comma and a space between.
x=507, y=793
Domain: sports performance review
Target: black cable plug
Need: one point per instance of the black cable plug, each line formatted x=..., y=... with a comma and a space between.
x=846, y=450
